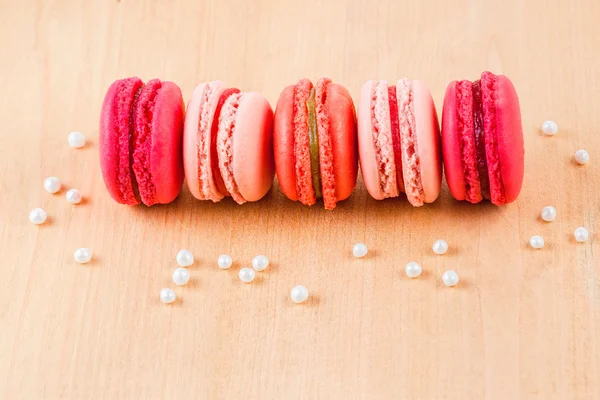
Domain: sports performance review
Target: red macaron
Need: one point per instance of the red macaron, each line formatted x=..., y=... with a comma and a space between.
x=315, y=142
x=482, y=140
x=141, y=133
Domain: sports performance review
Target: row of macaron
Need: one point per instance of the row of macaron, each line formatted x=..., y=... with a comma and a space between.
x=229, y=143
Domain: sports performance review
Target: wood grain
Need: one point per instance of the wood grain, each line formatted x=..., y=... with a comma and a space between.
x=522, y=324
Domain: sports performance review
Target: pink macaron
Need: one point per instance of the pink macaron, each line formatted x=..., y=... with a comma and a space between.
x=141, y=131
x=482, y=140
x=228, y=144
x=399, y=141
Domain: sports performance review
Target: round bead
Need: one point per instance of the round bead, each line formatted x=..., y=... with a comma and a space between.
x=73, y=196
x=181, y=276
x=413, y=269
x=440, y=247
x=359, y=250
x=581, y=234
x=537, y=242
x=260, y=263
x=82, y=255
x=299, y=294
x=167, y=296
x=37, y=216
x=184, y=258
x=247, y=275
x=549, y=213
x=450, y=278
x=224, y=261
x=52, y=184
x=582, y=157
x=549, y=128
x=76, y=140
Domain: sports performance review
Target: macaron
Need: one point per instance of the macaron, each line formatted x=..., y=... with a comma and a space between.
x=399, y=141
x=228, y=144
x=482, y=140
x=315, y=142
x=141, y=133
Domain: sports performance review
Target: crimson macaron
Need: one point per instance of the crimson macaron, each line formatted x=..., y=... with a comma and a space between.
x=228, y=144
x=482, y=140
x=399, y=141
x=315, y=142
x=141, y=127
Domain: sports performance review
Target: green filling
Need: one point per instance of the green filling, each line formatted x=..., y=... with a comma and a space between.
x=313, y=141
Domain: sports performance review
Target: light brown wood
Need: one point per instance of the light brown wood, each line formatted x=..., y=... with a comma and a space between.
x=522, y=324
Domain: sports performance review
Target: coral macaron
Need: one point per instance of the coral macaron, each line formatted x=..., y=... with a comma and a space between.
x=315, y=142
x=228, y=144
x=399, y=141
x=141, y=127
x=482, y=140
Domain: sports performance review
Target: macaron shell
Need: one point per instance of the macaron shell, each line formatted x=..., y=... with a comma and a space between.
x=428, y=139
x=342, y=129
x=166, y=164
x=366, y=147
x=283, y=136
x=509, y=131
x=190, y=139
x=108, y=143
x=451, y=145
x=253, y=165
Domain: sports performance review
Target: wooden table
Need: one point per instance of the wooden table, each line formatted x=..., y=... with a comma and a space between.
x=522, y=324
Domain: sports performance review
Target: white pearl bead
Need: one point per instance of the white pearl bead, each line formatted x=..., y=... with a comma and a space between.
x=82, y=255
x=440, y=247
x=181, y=276
x=184, y=258
x=582, y=157
x=549, y=213
x=581, y=234
x=247, y=275
x=359, y=250
x=550, y=127
x=76, y=140
x=299, y=294
x=167, y=296
x=260, y=263
x=37, y=216
x=224, y=261
x=413, y=269
x=73, y=196
x=52, y=184
x=450, y=278
x=537, y=242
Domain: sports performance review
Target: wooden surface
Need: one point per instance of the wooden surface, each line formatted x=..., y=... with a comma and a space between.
x=522, y=324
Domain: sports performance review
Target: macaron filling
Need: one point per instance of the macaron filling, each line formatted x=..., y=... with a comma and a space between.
x=382, y=139
x=395, y=127
x=214, y=157
x=482, y=168
x=127, y=95
x=224, y=142
x=313, y=141
x=302, y=156
x=411, y=162
x=466, y=136
x=142, y=138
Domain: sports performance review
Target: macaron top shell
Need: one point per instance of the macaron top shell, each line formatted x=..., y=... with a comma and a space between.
x=141, y=129
x=428, y=136
x=197, y=141
x=253, y=165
